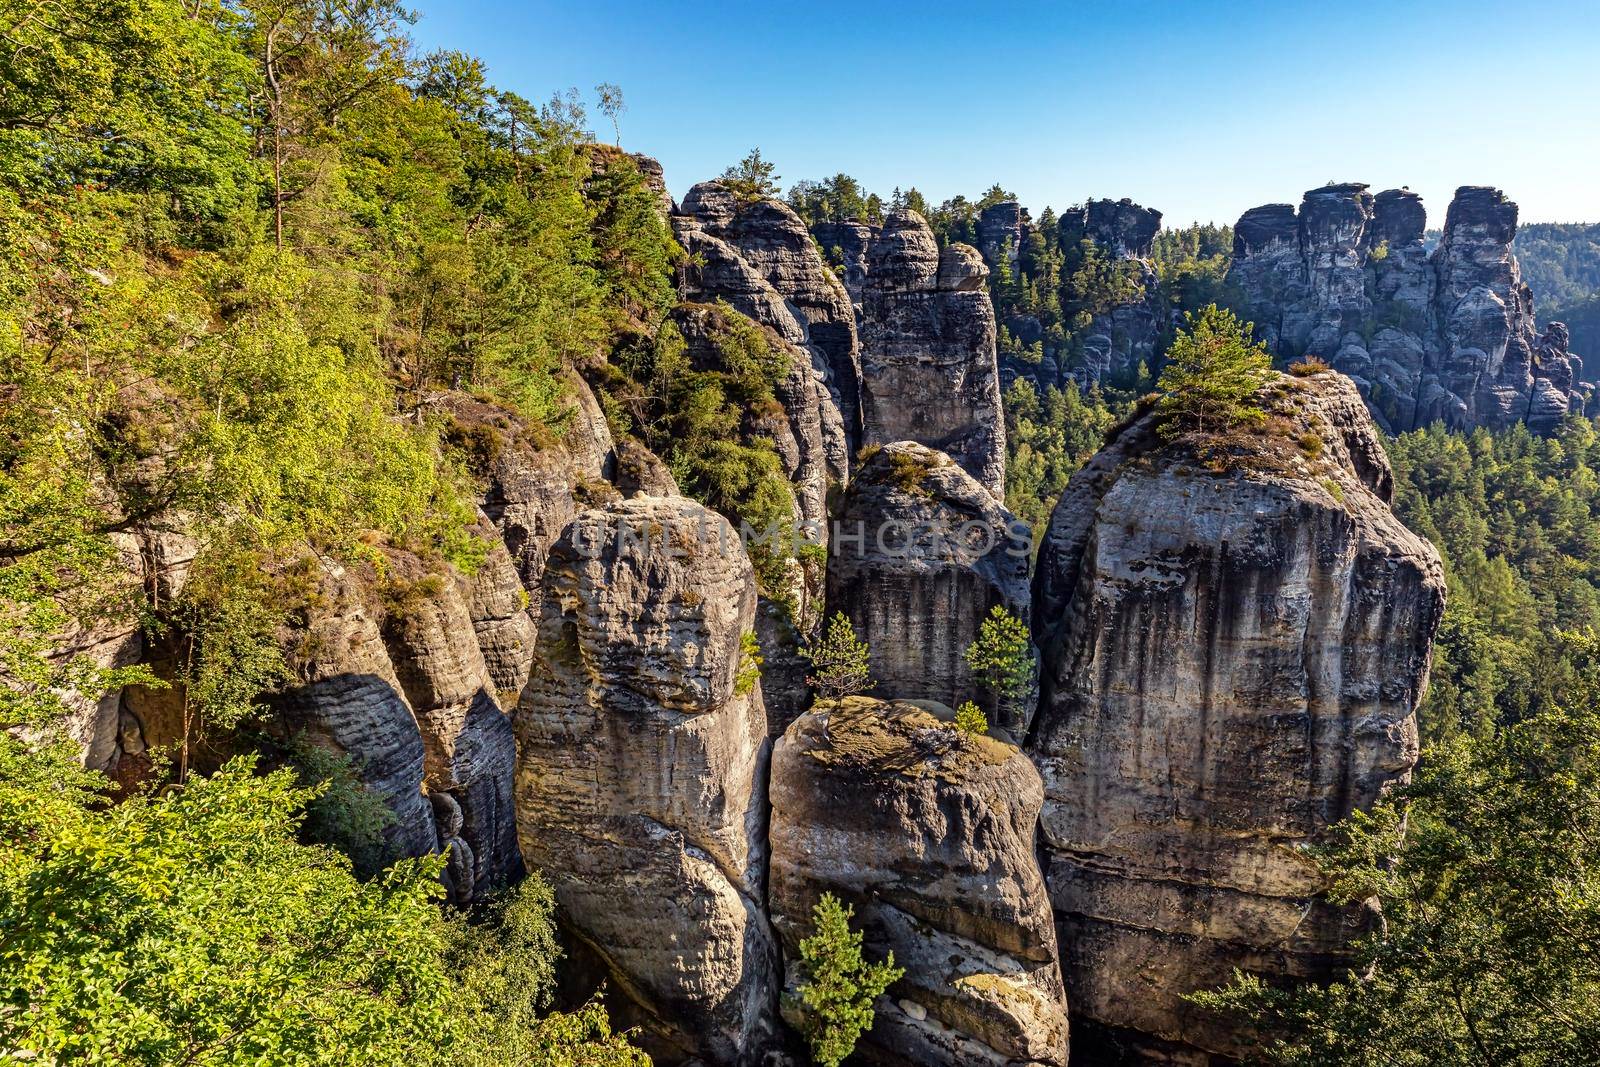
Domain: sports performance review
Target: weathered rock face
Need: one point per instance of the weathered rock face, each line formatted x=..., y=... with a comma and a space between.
x=640, y=760
x=469, y=754
x=846, y=243
x=924, y=552
x=1000, y=230
x=781, y=281
x=1121, y=227
x=1231, y=664
x=1443, y=336
x=928, y=349
x=346, y=697
x=929, y=834
x=533, y=488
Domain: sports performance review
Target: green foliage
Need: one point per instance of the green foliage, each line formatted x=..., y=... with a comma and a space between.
x=1516, y=519
x=841, y=663
x=1487, y=868
x=194, y=928
x=1212, y=375
x=1001, y=658
x=1048, y=437
x=750, y=661
x=970, y=719
x=839, y=985
x=752, y=178
x=837, y=199
x=342, y=812
x=1560, y=262
x=504, y=958
x=703, y=420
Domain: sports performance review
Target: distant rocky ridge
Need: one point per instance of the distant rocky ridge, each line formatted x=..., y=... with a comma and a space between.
x=1443, y=336
x=1117, y=338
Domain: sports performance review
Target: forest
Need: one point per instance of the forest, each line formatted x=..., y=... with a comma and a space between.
x=234, y=305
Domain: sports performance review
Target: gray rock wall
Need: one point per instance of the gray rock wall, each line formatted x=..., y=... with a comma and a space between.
x=1232, y=663
x=1443, y=336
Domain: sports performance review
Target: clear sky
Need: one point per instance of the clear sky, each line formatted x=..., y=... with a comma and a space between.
x=1198, y=109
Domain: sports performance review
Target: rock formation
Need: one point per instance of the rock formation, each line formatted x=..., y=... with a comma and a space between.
x=642, y=746
x=845, y=245
x=1232, y=662
x=923, y=552
x=1447, y=335
x=929, y=834
x=759, y=257
x=469, y=753
x=1120, y=227
x=1001, y=228
x=928, y=349
x=347, y=698
x=1124, y=335
x=1118, y=337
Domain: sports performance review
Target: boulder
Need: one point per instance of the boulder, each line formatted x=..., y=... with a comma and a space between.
x=1234, y=647
x=929, y=834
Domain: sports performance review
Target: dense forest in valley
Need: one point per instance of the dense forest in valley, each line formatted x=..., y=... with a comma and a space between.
x=1561, y=262
x=246, y=308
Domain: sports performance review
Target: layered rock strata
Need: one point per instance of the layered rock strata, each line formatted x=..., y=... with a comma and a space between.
x=928, y=833
x=642, y=747
x=1232, y=663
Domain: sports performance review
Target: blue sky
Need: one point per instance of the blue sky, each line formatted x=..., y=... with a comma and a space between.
x=1199, y=109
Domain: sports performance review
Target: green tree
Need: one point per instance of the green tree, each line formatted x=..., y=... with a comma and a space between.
x=612, y=106
x=1487, y=868
x=1001, y=659
x=503, y=962
x=839, y=986
x=841, y=663
x=752, y=178
x=1213, y=373
x=970, y=719
x=194, y=928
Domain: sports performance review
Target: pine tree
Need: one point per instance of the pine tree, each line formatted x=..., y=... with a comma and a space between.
x=840, y=663
x=1001, y=658
x=840, y=985
x=1213, y=373
x=970, y=719
x=752, y=177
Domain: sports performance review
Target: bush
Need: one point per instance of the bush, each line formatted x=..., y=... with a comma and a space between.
x=970, y=719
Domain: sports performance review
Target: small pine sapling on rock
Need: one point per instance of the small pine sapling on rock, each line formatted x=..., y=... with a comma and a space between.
x=840, y=662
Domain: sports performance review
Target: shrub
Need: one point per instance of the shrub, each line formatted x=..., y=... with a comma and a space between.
x=970, y=719
x=1309, y=365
